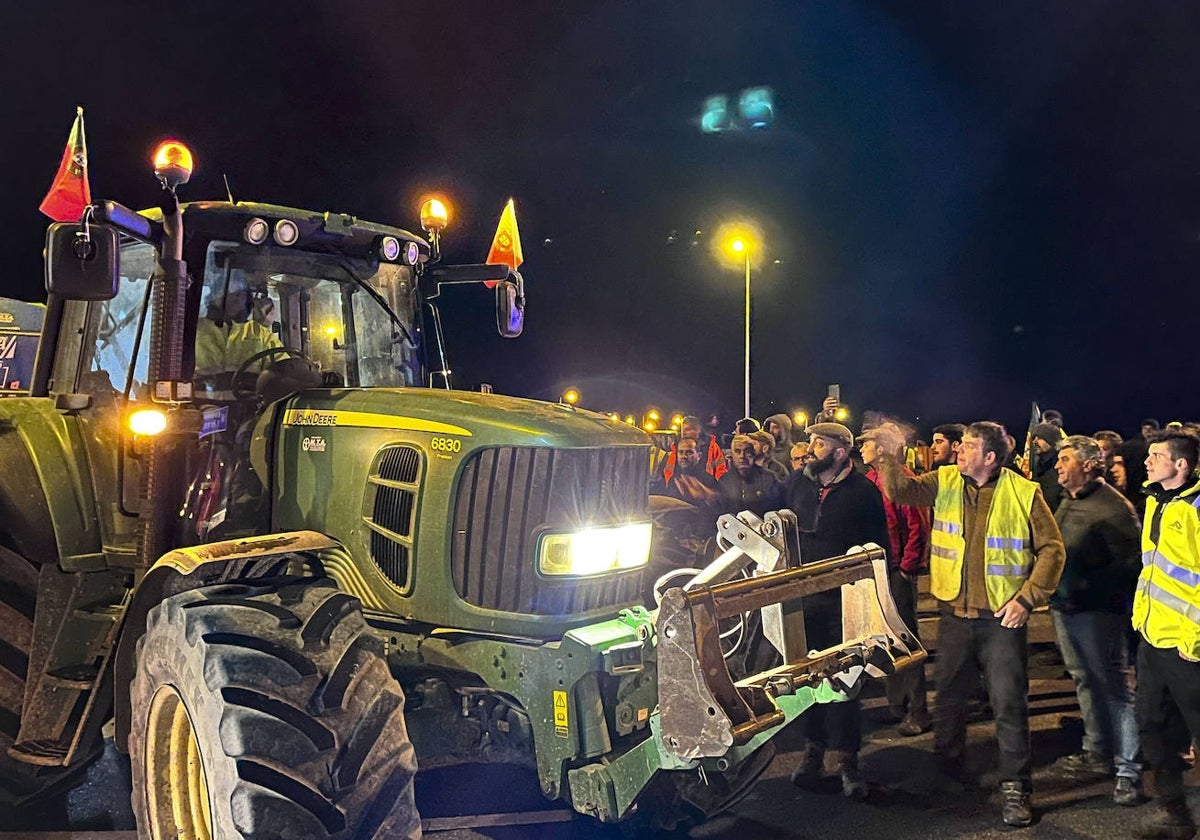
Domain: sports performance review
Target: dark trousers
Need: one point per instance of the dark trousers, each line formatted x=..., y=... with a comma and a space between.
x=1168, y=714
x=833, y=726
x=907, y=688
x=965, y=646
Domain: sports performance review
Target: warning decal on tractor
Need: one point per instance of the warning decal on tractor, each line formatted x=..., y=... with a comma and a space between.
x=560, y=714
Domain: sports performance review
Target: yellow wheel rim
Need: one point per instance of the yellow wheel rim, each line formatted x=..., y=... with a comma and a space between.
x=176, y=791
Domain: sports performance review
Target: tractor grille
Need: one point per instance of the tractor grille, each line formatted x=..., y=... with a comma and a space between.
x=394, y=482
x=507, y=496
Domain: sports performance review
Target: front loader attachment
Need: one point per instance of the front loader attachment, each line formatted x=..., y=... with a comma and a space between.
x=730, y=666
x=704, y=709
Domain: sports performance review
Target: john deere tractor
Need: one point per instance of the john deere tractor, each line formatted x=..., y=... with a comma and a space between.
x=239, y=531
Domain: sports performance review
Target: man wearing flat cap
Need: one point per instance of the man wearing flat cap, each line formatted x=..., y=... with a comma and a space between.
x=836, y=508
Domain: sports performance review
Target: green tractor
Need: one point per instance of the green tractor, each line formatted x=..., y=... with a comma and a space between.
x=241, y=535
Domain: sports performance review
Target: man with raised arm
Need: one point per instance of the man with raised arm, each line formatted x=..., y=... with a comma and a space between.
x=996, y=555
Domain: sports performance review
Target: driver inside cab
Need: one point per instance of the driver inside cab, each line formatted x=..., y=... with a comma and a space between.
x=227, y=335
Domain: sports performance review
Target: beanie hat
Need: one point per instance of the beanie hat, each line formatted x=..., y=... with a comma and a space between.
x=1047, y=432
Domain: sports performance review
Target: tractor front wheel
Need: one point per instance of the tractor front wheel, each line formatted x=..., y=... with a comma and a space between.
x=266, y=710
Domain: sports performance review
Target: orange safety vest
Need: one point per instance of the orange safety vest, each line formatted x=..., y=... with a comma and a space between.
x=714, y=466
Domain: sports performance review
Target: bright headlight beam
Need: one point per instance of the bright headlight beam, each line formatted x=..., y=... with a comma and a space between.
x=595, y=551
x=147, y=422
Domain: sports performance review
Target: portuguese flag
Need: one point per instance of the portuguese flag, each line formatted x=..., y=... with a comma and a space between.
x=70, y=192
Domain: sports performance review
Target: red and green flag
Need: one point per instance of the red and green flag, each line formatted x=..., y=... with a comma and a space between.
x=70, y=193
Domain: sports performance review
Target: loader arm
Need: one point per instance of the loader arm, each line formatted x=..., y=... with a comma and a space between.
x=704, y=711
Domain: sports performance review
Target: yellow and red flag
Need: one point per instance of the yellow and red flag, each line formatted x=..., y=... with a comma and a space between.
x=506, y=244
x=70, y=193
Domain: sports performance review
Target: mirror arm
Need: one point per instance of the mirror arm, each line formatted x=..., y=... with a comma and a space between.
x=127, y=221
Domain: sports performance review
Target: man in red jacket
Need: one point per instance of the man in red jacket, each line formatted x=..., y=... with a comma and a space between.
x=908, y=530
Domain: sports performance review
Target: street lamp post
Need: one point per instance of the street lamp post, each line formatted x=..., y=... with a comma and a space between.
x=740, y=247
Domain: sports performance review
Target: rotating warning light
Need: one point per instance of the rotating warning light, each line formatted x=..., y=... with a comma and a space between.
x=172, y=163
x=147, y=422
x=435, y=215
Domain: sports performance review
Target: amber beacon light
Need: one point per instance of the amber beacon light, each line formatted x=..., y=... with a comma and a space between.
x=173, y=163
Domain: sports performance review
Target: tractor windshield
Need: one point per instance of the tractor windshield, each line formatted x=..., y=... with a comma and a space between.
x=354, y=318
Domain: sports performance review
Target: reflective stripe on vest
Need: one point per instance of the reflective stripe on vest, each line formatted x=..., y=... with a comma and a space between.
x=1173, y=602
x=1017, y=543
x=1184, y=576
x=1008, y=547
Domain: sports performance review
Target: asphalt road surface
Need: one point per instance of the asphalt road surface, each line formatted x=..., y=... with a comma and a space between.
x=909, y=797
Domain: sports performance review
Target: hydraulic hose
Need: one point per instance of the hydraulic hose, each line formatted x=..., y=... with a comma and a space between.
x=168, y=302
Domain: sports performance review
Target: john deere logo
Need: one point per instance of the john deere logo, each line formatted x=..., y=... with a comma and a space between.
x=504, y=241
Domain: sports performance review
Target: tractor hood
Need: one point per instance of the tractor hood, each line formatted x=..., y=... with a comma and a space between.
x=484, y=419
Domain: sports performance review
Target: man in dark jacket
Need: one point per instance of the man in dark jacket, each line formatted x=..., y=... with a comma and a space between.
x=1045, y=438
x=747, y=486
x=780, y=428
x=1091, y=610
x=836, y=508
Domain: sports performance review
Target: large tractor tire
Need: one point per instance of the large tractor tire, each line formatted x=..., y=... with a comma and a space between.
x=17, y=597
x=266, y=710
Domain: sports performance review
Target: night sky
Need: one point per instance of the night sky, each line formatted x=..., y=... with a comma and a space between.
x=967, y=205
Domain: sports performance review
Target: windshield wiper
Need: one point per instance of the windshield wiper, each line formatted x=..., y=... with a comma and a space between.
x=378, y=298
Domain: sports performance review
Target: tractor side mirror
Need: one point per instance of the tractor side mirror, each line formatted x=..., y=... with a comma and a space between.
x=510, y=305
x=82, y=263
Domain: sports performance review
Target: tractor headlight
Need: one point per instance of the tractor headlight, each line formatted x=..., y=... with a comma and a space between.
x=594, y=551
x=147, y=422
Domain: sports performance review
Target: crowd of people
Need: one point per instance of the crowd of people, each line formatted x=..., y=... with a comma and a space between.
x=1101, y=530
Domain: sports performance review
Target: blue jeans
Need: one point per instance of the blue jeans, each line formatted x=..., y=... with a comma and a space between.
x=1095, y=650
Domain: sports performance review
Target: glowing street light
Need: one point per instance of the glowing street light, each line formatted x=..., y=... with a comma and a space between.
x=570, y=396
x=741, y=241
x=841, y=413
x=800, y=418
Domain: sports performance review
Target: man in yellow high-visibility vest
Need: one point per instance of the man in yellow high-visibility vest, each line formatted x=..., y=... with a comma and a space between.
x=996, y=554
x=1166, y=613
